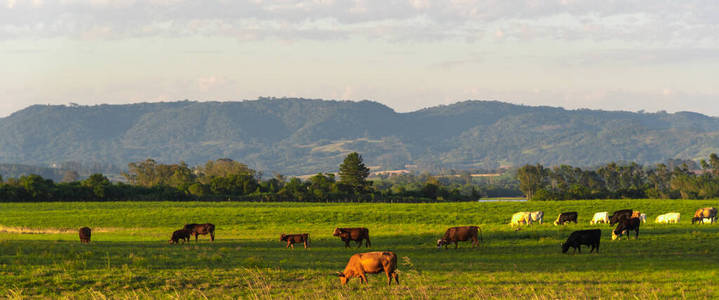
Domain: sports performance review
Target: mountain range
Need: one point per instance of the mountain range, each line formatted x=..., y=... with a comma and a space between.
x=303, y=136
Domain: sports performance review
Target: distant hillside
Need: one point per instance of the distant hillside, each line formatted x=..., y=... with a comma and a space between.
x=300, y=136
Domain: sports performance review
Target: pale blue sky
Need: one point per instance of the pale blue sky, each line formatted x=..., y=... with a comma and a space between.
x=631, y=55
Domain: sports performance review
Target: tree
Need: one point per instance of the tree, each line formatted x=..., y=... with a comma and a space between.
x=98, y=183
x=531, y=179
x=353, y=173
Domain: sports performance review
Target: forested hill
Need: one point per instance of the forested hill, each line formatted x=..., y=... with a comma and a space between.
x=300, y=136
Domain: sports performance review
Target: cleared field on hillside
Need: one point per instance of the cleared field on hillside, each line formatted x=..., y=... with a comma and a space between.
x=129, y=256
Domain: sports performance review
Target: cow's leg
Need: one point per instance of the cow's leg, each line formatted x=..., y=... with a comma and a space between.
x=579, y=248
x=636, y=236
x=363, y=277
x=196, y=237
x=305, y=244
x=475, y=242
x=359, y=243
x=212, y=236
x=347, y=243
x=367, y=243
x=389, y=276
x=396, y=277
x=456, y=244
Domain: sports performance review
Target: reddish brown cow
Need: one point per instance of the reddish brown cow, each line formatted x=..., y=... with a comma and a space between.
x=182, y=234
x=353, y=234
x=85, y=233
x=373, y=263
x=460, y=234
x=291, y=239
x=201, y=229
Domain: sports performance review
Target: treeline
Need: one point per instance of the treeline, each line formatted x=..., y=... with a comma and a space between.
x=631, y=180
x=225, y=179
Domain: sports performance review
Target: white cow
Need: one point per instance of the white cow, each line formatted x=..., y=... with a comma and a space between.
x=521, y=217
x=536, y=216
x=668, y=218
x=600, y=217
x=643, y=217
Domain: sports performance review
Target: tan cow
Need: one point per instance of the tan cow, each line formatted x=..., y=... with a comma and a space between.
x=372, y=263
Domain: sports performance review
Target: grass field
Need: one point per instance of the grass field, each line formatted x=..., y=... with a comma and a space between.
x=129, y=257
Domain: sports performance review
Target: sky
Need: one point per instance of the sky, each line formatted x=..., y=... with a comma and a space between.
x=632, y=55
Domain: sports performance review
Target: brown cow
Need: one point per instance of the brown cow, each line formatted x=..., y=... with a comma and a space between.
x=201, y=229
x=373, y=263
x=702, y=213
x=460, y=234
x=182, y=234
x=85, y=233
x=353, y=234
x=291, y=239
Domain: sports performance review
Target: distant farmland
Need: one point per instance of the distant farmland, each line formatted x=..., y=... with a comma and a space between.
x=129, y=257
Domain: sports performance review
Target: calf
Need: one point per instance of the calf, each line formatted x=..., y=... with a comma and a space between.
x=578, y=238
x=705, y=213
x=353, y=234
x=600, y=217
x=85, y=233
x=182, y=234
x=291, y=239
x=625, y=225
x=618, y=215
x=566, y=217
x=460, y=234
x=201, y=229
x=373, y=263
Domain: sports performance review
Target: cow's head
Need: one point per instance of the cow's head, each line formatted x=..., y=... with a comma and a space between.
x=343, y=278
x=696, y=219
x=565, y=247
x=336, y=232
x=617, y=235
x=172, y=242
x=441, y=242
x=283, y=237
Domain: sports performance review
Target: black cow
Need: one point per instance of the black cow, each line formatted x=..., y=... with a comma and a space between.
x=353, y=234
x=85, y=233
x=566, y=217
x=620, y=214
x=624, y=226
x=182, y=234
x=578, y=238
x=198, y=229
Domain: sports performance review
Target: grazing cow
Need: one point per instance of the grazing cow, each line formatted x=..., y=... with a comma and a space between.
x=624, y=226
x=668, y=218
x=353, y=234
x=578, y=238
x=620, y=214
x=521, y=217
x=643, y=217
x=182, y=234
x=600, y=217
x=373, y=263
x=536, y=216
x=705, y=213
x=460, y=234
x=291, y=239
x=85, y=233
x=566, y=217
x=201, y=229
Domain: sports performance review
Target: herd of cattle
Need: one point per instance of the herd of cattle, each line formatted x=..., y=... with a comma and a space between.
x=627, y=220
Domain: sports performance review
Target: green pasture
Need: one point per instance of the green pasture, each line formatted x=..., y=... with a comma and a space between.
x=129, y=257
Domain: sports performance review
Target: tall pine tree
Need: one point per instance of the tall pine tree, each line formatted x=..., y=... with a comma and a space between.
x=354, y=173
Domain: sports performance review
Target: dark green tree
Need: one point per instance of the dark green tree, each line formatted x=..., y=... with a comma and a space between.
x=98, y=184
x=353, y=173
